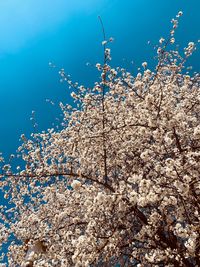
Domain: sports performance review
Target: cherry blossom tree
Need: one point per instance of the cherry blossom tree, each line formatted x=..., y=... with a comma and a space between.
x=119, y=184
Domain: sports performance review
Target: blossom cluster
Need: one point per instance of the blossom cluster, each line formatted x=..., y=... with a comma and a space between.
x=119, y=183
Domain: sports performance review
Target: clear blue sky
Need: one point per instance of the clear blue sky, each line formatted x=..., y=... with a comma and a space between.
x=67, y=32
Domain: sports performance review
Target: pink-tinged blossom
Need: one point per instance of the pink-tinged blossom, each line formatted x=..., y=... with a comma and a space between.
x=118, y=183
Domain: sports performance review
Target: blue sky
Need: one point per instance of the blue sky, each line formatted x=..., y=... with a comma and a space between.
x=23, y=21
x=68, y=33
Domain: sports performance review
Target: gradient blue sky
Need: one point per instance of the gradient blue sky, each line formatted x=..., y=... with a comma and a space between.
x=68, y=33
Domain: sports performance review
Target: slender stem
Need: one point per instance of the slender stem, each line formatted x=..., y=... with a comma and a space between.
x=103, y=106
x=72, y=174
